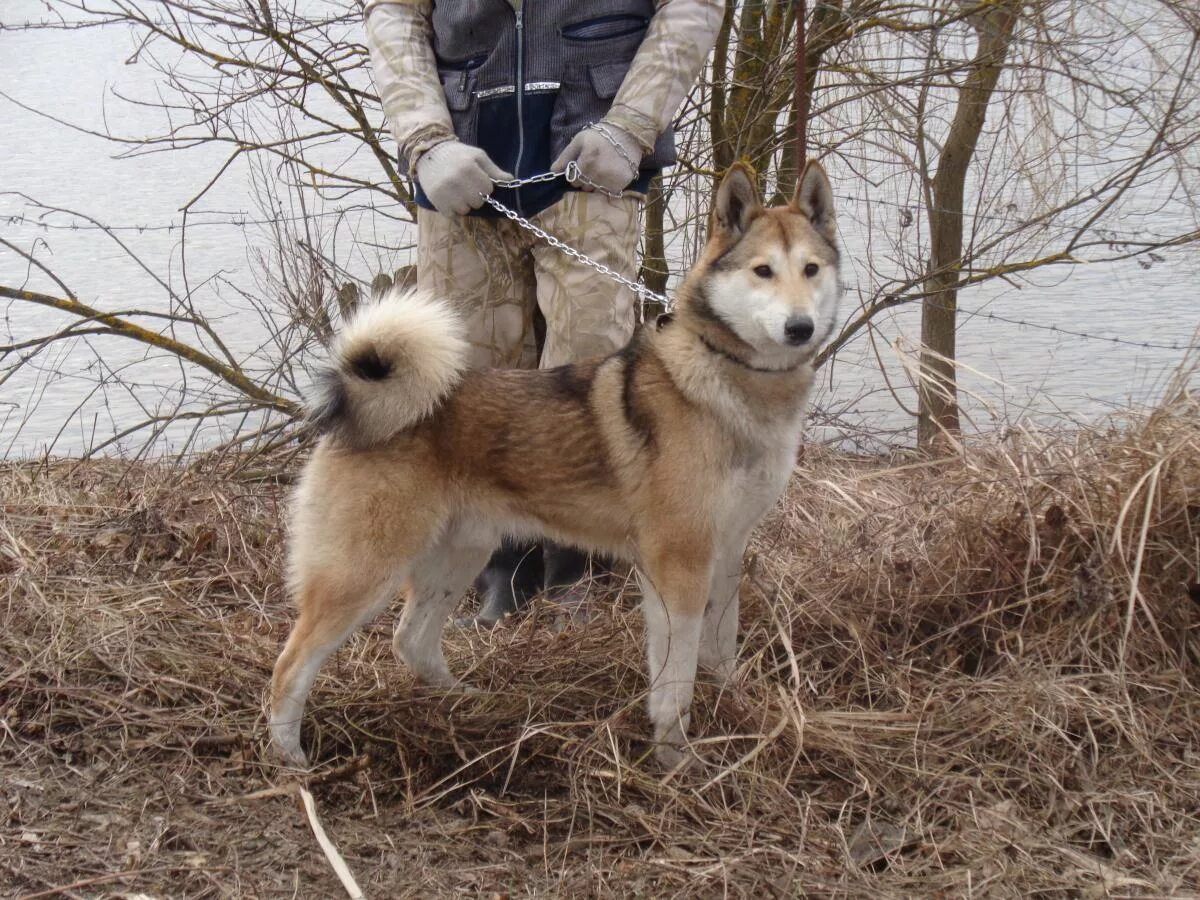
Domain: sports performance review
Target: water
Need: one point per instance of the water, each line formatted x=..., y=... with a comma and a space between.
x=1009, y=370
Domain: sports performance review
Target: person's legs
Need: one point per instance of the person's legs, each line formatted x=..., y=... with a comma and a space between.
x=484, y=267
x=586, y=313
x=513, y=577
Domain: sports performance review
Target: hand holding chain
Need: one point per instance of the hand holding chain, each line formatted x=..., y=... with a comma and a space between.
x=602, y=129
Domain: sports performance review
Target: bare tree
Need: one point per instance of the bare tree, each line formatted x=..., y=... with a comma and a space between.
x=938, y=412
x=954, y=129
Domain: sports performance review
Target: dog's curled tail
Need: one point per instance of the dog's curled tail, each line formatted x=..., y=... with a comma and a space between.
x=393, y=364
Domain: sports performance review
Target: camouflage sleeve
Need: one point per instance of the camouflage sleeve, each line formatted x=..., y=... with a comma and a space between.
x=681, y=35
x=399, y=38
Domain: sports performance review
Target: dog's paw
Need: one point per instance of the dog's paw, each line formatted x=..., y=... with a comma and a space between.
x=291, y=757
x=451, y=687
x=723, y=674
x=477, y=622
x=284, y=742
x=672, y=758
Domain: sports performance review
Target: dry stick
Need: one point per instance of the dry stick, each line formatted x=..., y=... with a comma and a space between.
x=358, y=764
x=114, y=876
x=1135, y=594
x=124, y=328
x=764, y=741
x=331, y=852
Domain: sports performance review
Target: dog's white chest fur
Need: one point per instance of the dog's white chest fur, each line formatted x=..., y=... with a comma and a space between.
x=755, y=487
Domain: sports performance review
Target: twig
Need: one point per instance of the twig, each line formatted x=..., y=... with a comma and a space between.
x=331, y=852
x=358, y=764
x=124, y=328
x=113, y=876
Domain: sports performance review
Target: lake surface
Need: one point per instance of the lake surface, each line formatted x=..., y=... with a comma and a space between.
x=1010, y=371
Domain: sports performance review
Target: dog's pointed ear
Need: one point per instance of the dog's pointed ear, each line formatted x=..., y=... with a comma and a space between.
x=737, y=201
x=814, y=199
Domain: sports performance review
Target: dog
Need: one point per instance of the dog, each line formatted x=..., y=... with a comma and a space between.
x=667, y=453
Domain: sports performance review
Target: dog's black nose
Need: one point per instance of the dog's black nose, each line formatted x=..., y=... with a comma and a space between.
x=798, y=329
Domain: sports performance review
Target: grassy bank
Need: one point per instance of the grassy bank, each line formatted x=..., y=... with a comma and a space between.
x=976, y=676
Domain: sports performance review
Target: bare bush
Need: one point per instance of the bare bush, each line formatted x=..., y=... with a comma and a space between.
x=972, y=673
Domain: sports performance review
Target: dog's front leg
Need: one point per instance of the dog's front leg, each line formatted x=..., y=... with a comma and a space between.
x=674, y=588
x=718, y=640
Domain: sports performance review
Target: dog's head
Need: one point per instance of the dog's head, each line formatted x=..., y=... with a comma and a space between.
x=770, y=276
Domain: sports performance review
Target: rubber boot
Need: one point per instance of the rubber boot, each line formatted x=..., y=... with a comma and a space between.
x=512, y=577
x=562, y=566
x=568, y=582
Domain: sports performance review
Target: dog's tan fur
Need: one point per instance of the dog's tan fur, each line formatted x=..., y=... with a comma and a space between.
x=667, y=453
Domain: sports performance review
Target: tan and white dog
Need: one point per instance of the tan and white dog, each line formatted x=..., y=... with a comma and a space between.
x=667, y=453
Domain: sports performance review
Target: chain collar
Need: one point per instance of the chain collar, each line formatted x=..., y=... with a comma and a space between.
x=573, y=175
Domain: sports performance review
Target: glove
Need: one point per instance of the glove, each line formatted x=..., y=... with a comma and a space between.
x=607, y=156
x=456, y=177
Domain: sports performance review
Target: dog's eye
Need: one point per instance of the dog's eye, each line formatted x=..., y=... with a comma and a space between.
x=811, y=270
x=763, y=271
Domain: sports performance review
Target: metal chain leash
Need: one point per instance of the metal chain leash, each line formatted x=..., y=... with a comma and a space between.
x=573, y=175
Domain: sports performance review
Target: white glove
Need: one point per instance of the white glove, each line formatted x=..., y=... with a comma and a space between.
x=607, y=156
x=456, y=177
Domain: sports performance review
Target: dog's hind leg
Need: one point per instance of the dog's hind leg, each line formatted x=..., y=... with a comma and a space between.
x=329, y=613
x=718, y=641
x=437, y=581
x=675, y=585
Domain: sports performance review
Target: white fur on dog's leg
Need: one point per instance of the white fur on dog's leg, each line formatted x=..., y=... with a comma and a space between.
x=672, y=649
x=316, y=635
x=418, y=639
x=718, y=643
x=287, y=713
x=438, y=582
x=670, y=757
x=285, y=739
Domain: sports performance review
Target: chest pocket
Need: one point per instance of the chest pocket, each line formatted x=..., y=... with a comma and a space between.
x=604, y=28
x=586, y=96
x=458, y=81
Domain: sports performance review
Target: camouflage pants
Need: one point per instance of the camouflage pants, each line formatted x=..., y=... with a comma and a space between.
x=496, y=271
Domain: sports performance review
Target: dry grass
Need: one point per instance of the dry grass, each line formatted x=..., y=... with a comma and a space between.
x=972, y=677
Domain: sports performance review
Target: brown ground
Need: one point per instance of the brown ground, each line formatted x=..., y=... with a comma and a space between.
x=972, y=677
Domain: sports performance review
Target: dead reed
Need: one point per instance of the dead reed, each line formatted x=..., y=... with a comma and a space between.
x=969, y=677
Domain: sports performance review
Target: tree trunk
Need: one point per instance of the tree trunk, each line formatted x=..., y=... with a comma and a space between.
x=654, y=252
x=937, y=390
x=828, y=25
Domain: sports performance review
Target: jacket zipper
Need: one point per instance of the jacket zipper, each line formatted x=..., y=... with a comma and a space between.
x=520, y=85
